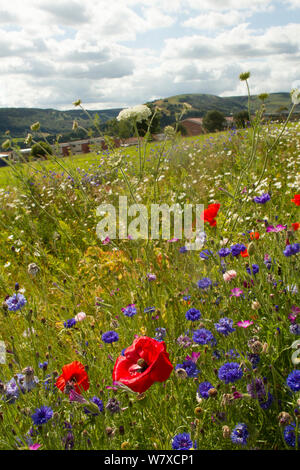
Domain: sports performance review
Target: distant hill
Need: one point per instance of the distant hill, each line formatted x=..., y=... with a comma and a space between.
x=201, y=103
x=53, y=122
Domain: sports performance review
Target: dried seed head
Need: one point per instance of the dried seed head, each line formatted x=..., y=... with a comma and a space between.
x=284, y=418
x=226, y=432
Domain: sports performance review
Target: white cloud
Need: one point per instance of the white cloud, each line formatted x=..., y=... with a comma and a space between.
x=215, y=21
x=54, y=52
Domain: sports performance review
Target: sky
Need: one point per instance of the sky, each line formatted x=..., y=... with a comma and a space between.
x=120, y=53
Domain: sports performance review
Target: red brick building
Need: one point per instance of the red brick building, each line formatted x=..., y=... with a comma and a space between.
x=77, y=147
x=193, y=126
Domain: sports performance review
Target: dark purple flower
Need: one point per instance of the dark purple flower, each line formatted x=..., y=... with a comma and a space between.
x=130, y=310
x=203, y=336
x=15, y=302
x=240, y=434
x=291, y=250
x=224, y=326
x=42, y=415
x=110, y=337
x=203, y=389
x=262, y=199
x=193, y=314
x=70, y=323
x=230, y=372
x=204, y=283
x=190, y=368
x=183, y=442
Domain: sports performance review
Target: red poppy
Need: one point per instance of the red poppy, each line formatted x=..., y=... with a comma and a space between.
x=244, y=253
x=209, y=215
x=254, y=235
x=144, y=362
x=296, y=199
x=295, y=226
x=73, y=376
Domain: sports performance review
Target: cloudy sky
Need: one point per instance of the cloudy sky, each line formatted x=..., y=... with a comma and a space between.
x=118, y=53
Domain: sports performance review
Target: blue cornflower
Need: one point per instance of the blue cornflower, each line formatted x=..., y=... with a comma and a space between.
x=183, y=442
x=190, y=368
x=203, y=389
x=149, y=310
x=256, y=388
x=240, y=434
x=193, y=314
x=224, y=326
x=289, y=435
x=291, y=249
x=204, y=283
x=265, y=404
x=268, y=263
x=130, y=310
x=183, y=249
x=110, y=337
x=293, y=381
x=203, y=336
x=295, y=329
x=254, y=270
x=223, y=252
x=97, y=402
x=16, y=302
x=237, y=249
x=186, y=297
x=233, y=353
x=70, y=323
x=253, y=359
x=205, y=254
x=160, y=333
x=13, y=389
x=262, y=199
x=230, y=372
x=42, y=415
x=43, y=365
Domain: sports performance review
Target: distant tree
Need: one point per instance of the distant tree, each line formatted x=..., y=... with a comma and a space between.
x=214, y=121
x=241, y=118
x=41, y=149
x=155, y=124
x=181, y=129
x=122, y=129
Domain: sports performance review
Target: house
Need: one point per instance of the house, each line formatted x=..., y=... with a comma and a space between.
x=78, y=147
x=21, y=154
x=193, y=126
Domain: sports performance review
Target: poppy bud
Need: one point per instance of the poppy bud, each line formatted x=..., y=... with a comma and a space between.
x=125, y=445
x=251, y=248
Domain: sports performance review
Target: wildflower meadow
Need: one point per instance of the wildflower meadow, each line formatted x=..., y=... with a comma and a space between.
x=136, y=342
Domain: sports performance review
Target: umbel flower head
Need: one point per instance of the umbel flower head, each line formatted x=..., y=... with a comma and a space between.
x=295, y=96
x=137, y=113
x=244, y=76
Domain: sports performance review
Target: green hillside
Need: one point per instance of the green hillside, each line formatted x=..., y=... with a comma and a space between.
x=201, y=103
x=53, y=122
